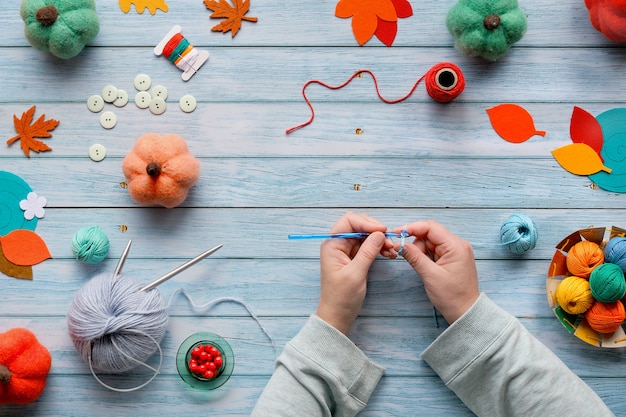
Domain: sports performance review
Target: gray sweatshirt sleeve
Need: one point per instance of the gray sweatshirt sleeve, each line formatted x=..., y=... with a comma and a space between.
x=319, y=373
x=497, y=368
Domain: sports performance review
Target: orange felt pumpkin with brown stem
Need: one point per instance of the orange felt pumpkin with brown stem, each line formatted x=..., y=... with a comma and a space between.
x=160, y=170
x=609, y=18
x=24, y=366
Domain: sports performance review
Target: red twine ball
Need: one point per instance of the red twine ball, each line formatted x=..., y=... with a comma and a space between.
x=583, y=257
x=605, y=317
x=444, y=82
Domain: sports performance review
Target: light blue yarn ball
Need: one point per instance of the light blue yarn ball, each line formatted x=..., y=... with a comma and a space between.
x=114, y=326
x=615, y=252
x=519, y=233
x=90, y=245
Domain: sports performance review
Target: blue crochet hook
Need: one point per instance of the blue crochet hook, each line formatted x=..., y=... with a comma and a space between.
x=345, y=235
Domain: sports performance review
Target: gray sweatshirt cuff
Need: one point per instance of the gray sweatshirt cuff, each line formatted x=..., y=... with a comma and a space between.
x=338, y=356
x=467, y=338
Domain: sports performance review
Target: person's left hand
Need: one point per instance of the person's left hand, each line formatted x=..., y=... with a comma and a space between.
x=345, y=264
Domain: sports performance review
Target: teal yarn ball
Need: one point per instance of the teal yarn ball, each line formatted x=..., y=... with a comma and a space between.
x=607, y=283
x=519, y=233
x=90, y=245
x=615, y=252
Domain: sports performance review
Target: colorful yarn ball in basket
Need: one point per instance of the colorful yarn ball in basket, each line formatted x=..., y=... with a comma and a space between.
x=585, y=290
x=615, y=252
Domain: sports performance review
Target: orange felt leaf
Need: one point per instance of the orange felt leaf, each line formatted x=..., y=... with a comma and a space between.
x=24, y=247
x=584, y=128
x=233, y=14
x=579, y=159
x=27, y=132
x=12, y=270
x=513, y=123
x=365, y=15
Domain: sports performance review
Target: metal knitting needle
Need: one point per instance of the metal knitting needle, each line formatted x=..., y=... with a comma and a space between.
x=181, y=268
x=120, y=263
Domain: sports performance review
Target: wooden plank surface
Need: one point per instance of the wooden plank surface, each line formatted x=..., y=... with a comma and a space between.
x=413, y=160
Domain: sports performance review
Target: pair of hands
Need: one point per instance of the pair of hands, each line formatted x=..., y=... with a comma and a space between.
x=449, y=276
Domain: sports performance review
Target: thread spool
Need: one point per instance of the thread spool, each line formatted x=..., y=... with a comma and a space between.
x=574, y=295
x=116, y=327
x=615, y=252
x=179, y=51
x=605, y=318
x=519, y=233
x=607, y=283
x=583, y=257
x=444, y=82
x=90, y=245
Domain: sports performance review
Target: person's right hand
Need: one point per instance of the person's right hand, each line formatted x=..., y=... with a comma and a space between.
x=446, y=265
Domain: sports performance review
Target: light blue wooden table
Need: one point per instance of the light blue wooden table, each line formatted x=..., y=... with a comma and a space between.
x=415, y=160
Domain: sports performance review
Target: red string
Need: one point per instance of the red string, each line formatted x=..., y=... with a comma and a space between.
x=442, y=96
x=171, y=44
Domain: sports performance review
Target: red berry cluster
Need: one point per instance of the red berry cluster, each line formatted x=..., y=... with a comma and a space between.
x=205, y=361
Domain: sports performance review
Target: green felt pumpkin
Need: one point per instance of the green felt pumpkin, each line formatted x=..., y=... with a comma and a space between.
x=486, y=28
x=609, y=18
x=61, y=27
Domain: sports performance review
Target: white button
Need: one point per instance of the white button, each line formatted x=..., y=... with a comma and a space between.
x=142, y=82
x=159, y=91
x=157, y=106
x=109, y=93
x=122, y=99
x=187, y=103
x=143, y=99
x=95, y=103
x=108, y=120
x=97, y=152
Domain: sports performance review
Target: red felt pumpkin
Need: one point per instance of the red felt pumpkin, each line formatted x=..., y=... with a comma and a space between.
x=24, y=366
x=160, y=170
x=608, y=17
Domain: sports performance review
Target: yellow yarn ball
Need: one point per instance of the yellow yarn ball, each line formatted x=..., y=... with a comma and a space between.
x=574, y=295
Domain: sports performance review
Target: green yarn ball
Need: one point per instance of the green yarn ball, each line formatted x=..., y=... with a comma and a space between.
x=90, y=245
x=61, y=27
x=486, y=28
x=607, y=283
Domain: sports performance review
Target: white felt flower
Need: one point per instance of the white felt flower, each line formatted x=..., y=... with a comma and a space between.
x=33, y=206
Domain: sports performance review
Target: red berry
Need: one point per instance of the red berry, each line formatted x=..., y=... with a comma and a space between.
x=218, y=361
x=208, y=374
x=211, y=366
x=195, y=353
x=204, y=357
x=214, y=351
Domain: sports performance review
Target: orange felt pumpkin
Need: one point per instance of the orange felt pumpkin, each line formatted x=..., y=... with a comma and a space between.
x=160, y=170
x=608, y=17
x=24, y=366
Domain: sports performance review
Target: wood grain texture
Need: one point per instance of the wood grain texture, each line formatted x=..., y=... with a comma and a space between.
x=414, y=160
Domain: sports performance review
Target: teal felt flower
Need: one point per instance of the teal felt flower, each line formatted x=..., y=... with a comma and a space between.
x=486, y=28
x=61, y=27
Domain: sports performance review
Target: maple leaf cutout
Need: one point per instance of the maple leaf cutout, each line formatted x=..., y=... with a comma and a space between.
x=27, y=132
x=234, y=14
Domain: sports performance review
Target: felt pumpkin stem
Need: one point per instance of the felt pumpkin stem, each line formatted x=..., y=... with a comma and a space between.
x=153, y=169
x=47, y=15
x=491, y=22
x=5, y=374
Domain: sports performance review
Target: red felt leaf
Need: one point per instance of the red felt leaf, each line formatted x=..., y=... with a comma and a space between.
x=365, y=15
x=24, y=247
x=513, y=123
x=584, y=128
x=403, y=8
x=386, y=31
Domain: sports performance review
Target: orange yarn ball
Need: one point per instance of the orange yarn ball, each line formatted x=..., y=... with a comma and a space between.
x=574, y=295
x=583, y=257
x=605, y=317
